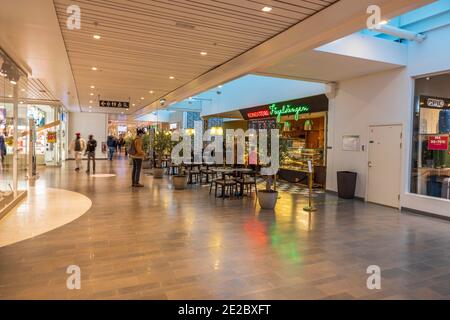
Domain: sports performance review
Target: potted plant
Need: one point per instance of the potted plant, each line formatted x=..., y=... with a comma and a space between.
x=179, y=181
x=268, y=198
x=162, y=143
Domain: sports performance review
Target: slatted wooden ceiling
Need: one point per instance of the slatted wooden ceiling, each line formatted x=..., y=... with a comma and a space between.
x=144, y=42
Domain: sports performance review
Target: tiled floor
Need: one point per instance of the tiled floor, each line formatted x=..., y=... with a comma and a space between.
x=157, y=243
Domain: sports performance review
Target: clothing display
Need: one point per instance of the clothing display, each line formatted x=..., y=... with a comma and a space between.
x=444, y=121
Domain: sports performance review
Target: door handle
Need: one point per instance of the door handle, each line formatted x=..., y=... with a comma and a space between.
x=370, y=164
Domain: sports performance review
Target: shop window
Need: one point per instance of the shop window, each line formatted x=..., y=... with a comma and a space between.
x=430, y=174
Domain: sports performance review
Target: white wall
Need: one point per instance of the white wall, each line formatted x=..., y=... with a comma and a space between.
x=89, y=123
x=375, y=99
x=385, y=98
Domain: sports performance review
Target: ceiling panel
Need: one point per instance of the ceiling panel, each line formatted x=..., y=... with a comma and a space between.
x=144, y=42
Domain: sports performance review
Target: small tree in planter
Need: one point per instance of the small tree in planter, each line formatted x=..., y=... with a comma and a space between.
x=162, y=143
x=146, y=146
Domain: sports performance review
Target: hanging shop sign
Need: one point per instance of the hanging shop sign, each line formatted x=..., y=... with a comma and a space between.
x=51, y=137
x=292, y=107
x=114, y=104
x=263, y=124
x=434, y=102
x=438, y=142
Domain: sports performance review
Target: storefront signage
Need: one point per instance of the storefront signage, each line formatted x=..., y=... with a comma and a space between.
x=287, y=109
x=438, y=142
x=114, y=104
x=296, y=107
x=259, y=114
x=434, y=102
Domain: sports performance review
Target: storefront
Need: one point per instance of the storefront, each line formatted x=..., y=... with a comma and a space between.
x=303, y=127
x=430, y=174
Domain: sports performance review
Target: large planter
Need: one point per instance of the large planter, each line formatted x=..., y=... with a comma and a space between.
x=146, y=164
x=158, y=173
x=267, y=199
x=179, y=182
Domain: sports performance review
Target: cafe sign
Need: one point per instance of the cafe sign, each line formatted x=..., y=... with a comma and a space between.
x=296, y=107
x=278, y=111
x=437, y=143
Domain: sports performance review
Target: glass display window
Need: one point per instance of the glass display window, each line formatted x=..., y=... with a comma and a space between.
x=430, y=169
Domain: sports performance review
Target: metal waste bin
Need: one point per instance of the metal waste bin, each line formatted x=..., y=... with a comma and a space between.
x=346, y=181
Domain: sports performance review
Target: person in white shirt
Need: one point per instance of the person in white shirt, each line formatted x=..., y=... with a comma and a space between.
x=78, y=146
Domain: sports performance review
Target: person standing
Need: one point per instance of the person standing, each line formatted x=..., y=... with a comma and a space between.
x=90, y=151
x=111, y=142
x=2, y=150
x=77, y=146
x=136, y=152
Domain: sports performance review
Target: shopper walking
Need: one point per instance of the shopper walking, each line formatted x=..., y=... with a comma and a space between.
x=77, y=146
x=90, y=152
x=111, y=142
x=136, y=152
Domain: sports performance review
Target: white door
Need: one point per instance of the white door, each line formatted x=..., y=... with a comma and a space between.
x=385, y=144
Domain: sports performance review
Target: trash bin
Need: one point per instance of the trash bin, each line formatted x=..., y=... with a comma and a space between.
x=346, y=181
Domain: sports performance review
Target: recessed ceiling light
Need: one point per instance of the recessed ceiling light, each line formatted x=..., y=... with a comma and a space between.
x=96, y=36
x=142, y=98
x=134, y=104
x=151, y=92
x=267, y=9
x=203, y=53
x=90, y=101
x=22, y=90
x=92, y=87
x=220, y=86
x=10, y=96
x=94, y=68
x=21, y=102
x=92, y=94
x=171, y=77
x=428, y=78
x=13, y=82
x=383, y=22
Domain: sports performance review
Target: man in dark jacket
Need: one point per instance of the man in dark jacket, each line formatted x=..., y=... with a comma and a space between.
x=111, y=142
x=91, y=145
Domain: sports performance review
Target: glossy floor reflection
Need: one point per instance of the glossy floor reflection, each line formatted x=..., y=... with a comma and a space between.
x=158, y=243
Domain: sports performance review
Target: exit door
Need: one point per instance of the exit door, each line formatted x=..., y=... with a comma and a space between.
x=385, y=144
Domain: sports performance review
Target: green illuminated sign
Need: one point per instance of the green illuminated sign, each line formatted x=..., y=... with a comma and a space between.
x=287, y=109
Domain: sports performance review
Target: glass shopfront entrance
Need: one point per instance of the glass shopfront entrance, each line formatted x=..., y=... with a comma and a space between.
x=430, y=174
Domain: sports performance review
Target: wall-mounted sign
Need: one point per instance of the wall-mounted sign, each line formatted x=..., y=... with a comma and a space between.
x=351, y=143
x=292, y=107
x=434, y=102
x=114, y=104
x=438, y=142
